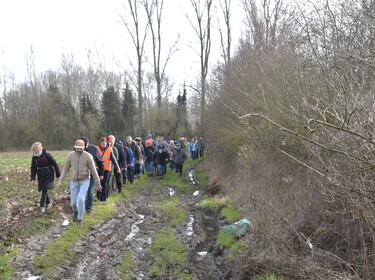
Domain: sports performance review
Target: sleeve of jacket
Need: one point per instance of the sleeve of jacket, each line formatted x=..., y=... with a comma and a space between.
x=127, y=156
x=114, y=161
x=121, y=156
x=99, y=163
x=92, y=168
x=66, y=168
x=32, y=169
x=53, y=162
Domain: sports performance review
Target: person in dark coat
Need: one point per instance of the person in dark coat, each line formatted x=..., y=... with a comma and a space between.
x=91, y=149
x=161, y=159
x=122, y=163
x=179, y=156
x=44, y=167
x=149, y=157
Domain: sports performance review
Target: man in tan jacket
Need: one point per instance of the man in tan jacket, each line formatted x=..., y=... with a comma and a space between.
x=81, y=164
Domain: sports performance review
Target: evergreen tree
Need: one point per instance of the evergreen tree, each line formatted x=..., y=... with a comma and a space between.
x=112, y=121
x=181, y=112
x=60, y=122
x=89, y=119
x=128, y=110
x=86, y=106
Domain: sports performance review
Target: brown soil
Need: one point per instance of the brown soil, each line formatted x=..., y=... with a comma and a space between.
x=132, y=227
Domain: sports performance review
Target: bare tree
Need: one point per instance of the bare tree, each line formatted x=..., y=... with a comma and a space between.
x=263, y=27
x=202, y=29
x=154, y=9
x=138, y=38
x=225, y=33
x=312, y=100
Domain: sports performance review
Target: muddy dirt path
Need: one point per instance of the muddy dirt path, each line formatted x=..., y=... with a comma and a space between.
x=132, y=229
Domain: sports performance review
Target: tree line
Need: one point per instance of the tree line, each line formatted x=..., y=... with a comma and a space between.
x=288, y=115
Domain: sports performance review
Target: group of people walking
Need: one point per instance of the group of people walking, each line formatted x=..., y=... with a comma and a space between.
x=107, y=166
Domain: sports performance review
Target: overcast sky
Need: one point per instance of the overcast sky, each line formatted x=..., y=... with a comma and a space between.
x=54, y=27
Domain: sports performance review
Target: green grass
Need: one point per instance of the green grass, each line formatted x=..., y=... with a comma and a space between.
x=214, y=202
x=6, y=269
x=229, y=241
x=230, y=213
x=172, y=214
x=126, y=266
x=38, y=226
x=22, y=160
x=60, y=251
x=201, y=175
x=169, y=256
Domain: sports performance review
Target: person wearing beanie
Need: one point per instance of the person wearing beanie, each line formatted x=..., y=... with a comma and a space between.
x=91, y=149
x=82, y=166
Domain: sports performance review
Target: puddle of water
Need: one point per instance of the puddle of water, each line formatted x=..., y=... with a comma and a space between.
x=134, y=230
x=132, y=233
x=201, y=255
x=171, y=191
x=190, y=231
x=33, y=278
x=196, y=193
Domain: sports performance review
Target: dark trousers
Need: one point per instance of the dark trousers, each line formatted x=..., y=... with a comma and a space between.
x=137, y=170
x=178, y=168
x=123, y=172
x=102, y=195
x=131, y=174
x=118, y=181
x=44, y=201
x=90, y=195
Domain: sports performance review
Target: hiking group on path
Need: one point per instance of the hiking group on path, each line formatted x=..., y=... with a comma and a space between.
x=109, y=165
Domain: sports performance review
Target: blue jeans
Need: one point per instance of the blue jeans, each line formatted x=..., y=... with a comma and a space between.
x=90, y=195
x=171, y=164
x=149, y=167
x=194, y=154
x=123, y=172
x=161, y=169
x=78, y=192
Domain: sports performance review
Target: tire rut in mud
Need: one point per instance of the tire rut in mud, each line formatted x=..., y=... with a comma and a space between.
x=132, y=229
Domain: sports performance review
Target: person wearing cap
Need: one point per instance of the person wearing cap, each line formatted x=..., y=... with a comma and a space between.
x=82, y=166
x=140, y=153
x=90, y=148
x=179, y=157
